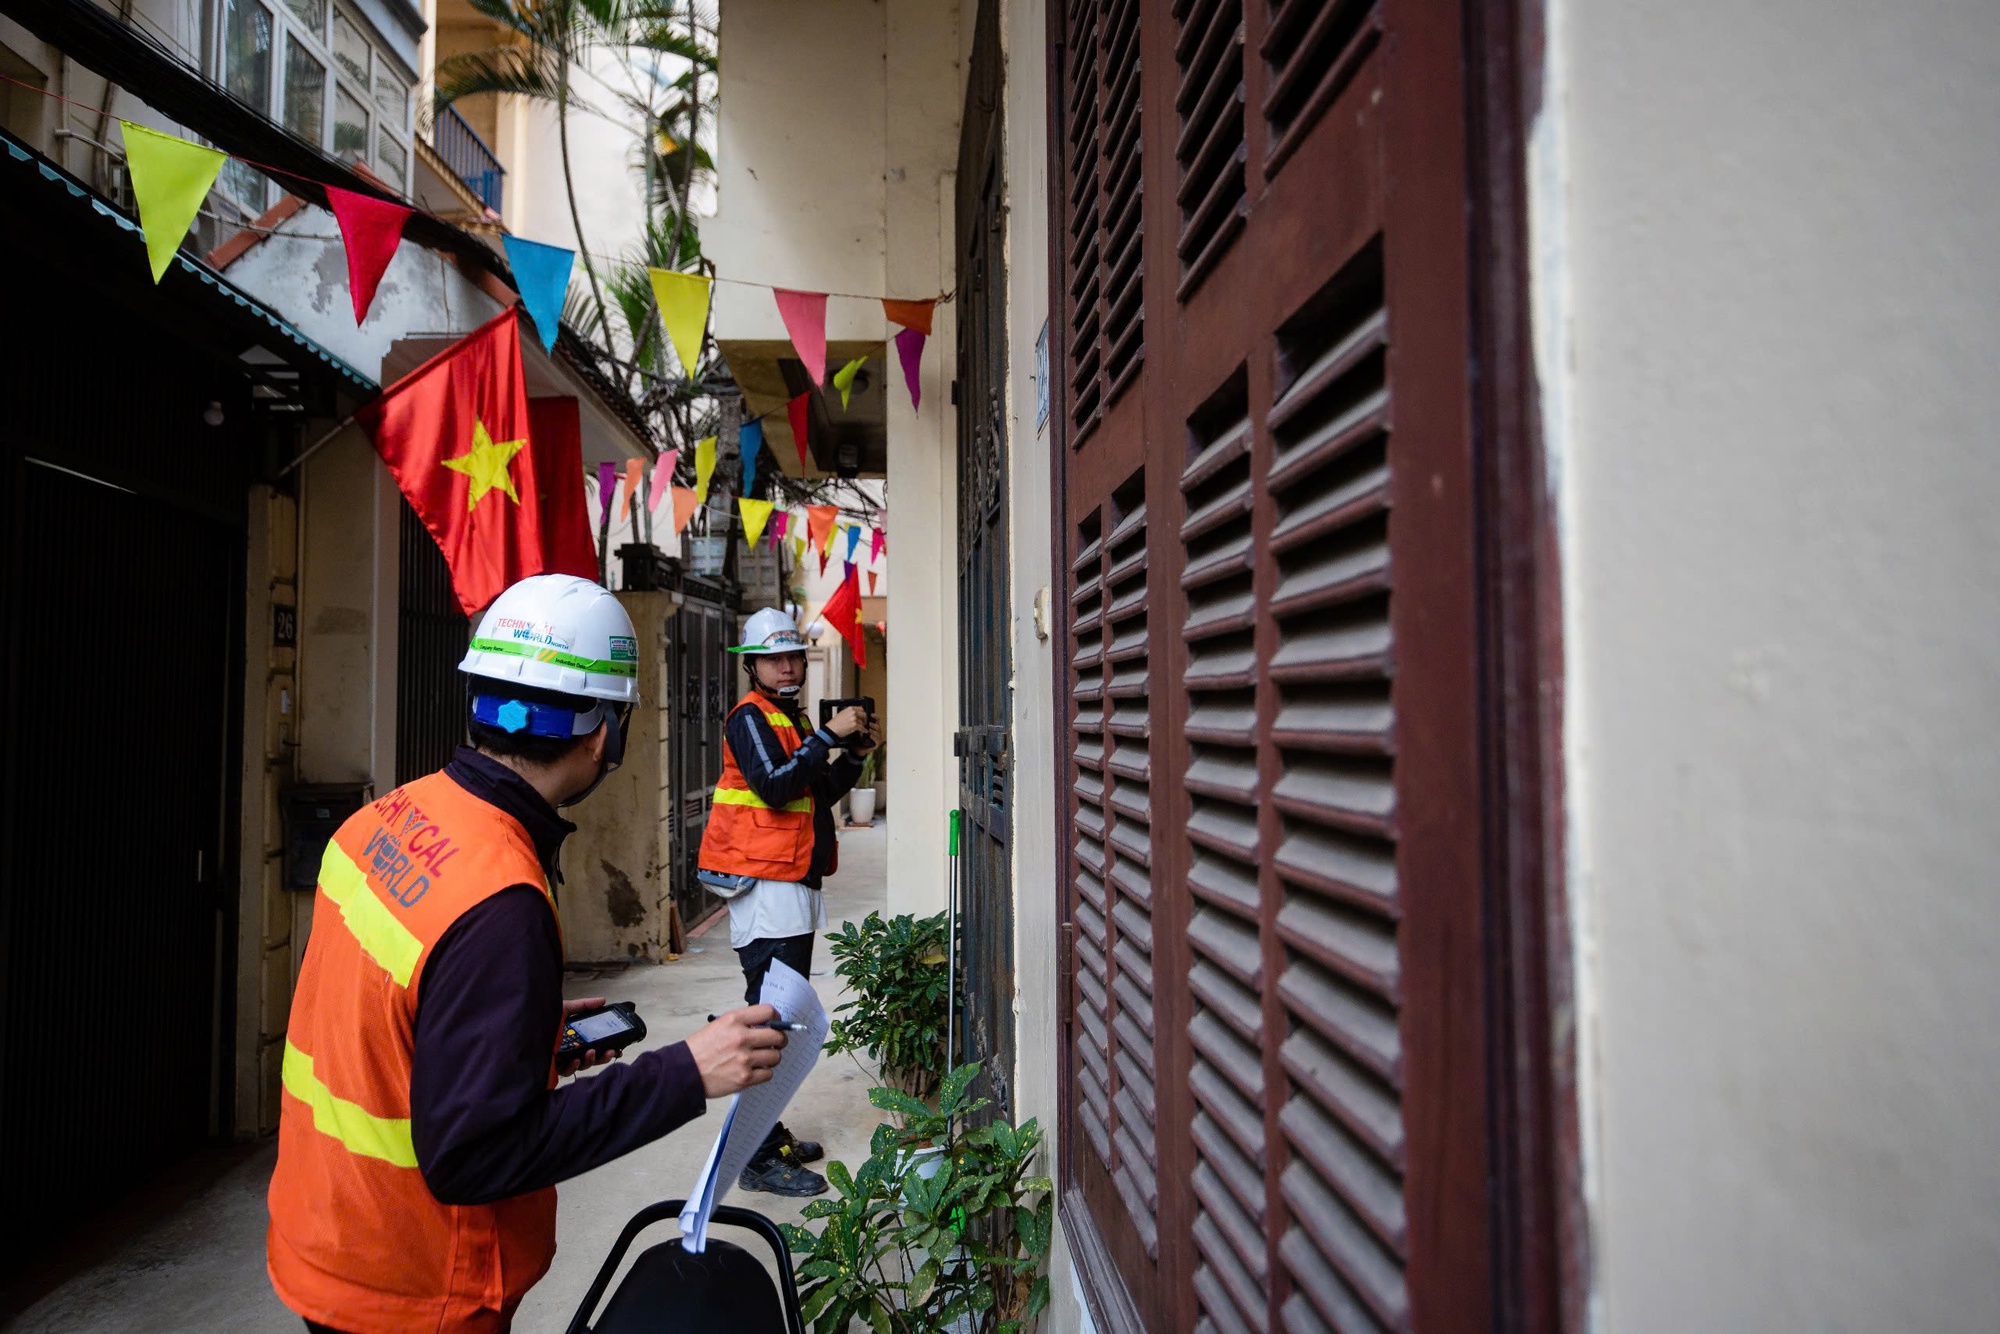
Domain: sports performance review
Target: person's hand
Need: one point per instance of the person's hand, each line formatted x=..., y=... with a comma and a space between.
x=848, y=721
x=735, y=1051
x=592, y=1057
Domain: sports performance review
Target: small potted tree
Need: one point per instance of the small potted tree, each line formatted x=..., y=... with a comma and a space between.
x=861, y=801
x=900, y=1008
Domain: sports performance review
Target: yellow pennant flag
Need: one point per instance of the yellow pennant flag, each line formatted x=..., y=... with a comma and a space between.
x=683, y=302
x=704, y=468
x=756, y=513
x=833, y=530
x=170, y=178
x=799, y=552
x=843, y=379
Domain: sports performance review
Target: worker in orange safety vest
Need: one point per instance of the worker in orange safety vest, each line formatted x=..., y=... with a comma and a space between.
x=770, y=841
x=422, y=1129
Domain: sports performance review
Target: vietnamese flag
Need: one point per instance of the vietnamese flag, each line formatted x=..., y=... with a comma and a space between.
x=843, y=612
x=455, y=433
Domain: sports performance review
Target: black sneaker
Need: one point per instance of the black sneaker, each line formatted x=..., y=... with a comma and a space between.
x=778, y=1177
x=796, y=1150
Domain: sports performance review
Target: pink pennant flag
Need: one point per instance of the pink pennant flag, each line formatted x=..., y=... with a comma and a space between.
x=371, y=228
x=799, y=410
x=607, y=478
x=779, y=522
x=875, y=544
x=804, y=314
x=663, y=476
x=910, y=350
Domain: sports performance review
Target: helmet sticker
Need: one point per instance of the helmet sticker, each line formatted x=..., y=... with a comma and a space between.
x=624, y=648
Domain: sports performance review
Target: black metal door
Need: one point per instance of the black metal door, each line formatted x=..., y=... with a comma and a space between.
x=985, y=670
x=116, y=739
x=700, y=677
x=431, y=634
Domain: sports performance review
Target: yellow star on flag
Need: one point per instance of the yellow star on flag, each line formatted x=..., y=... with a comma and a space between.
x=486, y=464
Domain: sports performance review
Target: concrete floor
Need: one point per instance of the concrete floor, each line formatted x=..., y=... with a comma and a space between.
x=202, y=1268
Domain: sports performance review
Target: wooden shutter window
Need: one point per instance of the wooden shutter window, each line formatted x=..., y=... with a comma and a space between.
x=1211, y=152
x=1346, y=1243
x=1226, y=977
x=1102, y=181
x=1092, y=942
x=1311, y=50
x=1114, y=853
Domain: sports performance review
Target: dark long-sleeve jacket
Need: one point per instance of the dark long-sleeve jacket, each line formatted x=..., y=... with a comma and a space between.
x=812, y=768
x=484, y=1121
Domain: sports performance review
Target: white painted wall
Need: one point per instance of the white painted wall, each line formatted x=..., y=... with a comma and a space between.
x=845, y=184
x=1774, y=320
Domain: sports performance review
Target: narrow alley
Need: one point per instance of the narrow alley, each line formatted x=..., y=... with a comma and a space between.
x=202, y=1267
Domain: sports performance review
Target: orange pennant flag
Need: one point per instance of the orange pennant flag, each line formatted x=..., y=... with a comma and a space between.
x=910, y=314
x=685, y=504
x=635, y=472
x=871, y=583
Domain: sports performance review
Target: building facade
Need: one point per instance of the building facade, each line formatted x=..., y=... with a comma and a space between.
x=1482, y=779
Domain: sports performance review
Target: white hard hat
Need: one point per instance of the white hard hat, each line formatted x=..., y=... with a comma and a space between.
x=769, y=632
x=558, y=632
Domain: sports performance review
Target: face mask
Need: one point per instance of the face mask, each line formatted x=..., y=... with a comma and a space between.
x=614, y=751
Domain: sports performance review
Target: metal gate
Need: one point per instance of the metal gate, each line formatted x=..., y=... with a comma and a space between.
x=702, y=678
x=116, y=879
x=985, y=668
x=431, y=634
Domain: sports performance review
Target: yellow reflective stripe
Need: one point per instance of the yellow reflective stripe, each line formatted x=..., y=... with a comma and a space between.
x=780, y=720
x=743, y=796
x=362, y=1132
x=384, y=939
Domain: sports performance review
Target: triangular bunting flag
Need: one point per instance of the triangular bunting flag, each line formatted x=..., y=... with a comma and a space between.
x=799, y=410
x=799, y=552
x=779, y=522
x=635, y=473
x=843, y=379
x=663, y=476
x=371, y=229
x=170, y=178
x=683, y=301
x=910, y=314
x=819, y=524
x=871, y=583
x=756, y=513
x=748, y=441
x=804, y=314
x=541, y=272
x=685, y=504
x=877, y=540
x=607, y=478
x=910, y=351
x=704, y=468
x=853, y=541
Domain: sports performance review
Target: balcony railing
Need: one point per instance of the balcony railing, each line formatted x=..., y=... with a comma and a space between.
x=468, y=157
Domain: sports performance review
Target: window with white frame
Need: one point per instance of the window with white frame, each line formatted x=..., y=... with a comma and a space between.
x=310, y=66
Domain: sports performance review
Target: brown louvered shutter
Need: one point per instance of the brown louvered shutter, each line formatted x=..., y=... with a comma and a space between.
x=1103, y=231
x=1277, y=1063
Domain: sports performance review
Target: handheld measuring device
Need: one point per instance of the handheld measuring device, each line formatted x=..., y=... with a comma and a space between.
x=613, y=1028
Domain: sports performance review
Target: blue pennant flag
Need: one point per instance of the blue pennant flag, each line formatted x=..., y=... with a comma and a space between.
x=542, y=274
x=853, y=541
x=749, y=441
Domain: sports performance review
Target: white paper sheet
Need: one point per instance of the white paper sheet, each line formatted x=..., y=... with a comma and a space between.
x=754, y=1111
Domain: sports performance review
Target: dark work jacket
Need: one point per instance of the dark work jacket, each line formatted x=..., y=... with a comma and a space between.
x=812, y=768
x=485, y=1123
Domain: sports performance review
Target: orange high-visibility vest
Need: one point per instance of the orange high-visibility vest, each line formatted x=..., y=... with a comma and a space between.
x=357, y=1241
x=744, y=835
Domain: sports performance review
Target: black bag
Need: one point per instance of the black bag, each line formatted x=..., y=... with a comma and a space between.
x=674, y=1291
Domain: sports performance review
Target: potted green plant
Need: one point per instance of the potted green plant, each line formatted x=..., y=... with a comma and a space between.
x=951, y=1236
x=899, y=1011
x=861, y=801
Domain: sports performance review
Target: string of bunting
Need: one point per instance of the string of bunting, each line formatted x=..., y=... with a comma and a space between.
x=171, y=177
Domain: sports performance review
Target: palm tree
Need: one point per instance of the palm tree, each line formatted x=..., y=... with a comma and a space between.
x=554, y=39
